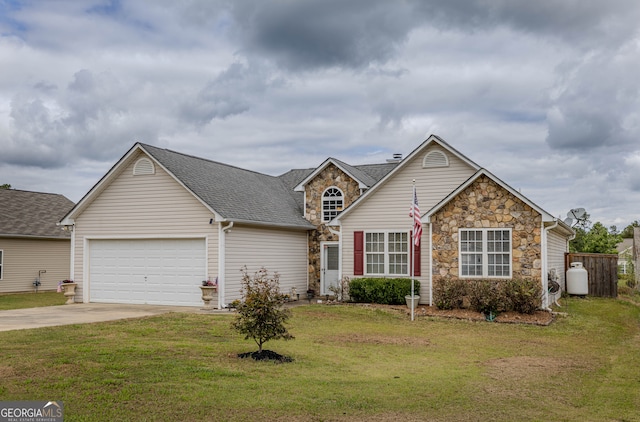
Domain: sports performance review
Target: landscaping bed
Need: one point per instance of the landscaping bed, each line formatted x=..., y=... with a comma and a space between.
x=543, y=318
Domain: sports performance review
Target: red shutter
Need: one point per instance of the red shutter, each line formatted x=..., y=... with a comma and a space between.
x=358, y=253
x=416, y=257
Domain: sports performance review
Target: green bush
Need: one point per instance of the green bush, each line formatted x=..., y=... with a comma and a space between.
x=261, y=315
x=386, y=291
x=448, y=292
x=523, y=295
x=487, y=296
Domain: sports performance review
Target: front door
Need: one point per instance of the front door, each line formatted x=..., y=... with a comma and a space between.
x=329, y=272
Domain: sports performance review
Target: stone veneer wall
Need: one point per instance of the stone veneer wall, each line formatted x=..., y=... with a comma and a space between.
x=330, y=176
x=485, y=204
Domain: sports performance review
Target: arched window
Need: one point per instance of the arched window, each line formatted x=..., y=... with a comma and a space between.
x=332, y=203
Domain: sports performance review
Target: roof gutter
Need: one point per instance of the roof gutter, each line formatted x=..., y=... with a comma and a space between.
x=267, y=224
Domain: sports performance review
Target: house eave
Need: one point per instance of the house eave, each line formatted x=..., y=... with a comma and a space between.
x=32, y=237
x=429, y=141
x=546, y=217
x=289, y=226
x=325, y=164
x=112, y=173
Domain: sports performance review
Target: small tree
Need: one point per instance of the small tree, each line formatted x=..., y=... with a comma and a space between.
x=260, y=313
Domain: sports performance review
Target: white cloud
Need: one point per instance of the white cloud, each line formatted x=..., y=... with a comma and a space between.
x=542, y=94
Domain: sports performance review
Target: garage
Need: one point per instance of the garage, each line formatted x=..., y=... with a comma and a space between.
x=147, y=271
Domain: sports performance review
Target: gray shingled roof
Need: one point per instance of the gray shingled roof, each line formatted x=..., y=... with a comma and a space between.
x=291, y=179
x=24, y=213
x=234, y=193
x=377, y=171
x=358, y=174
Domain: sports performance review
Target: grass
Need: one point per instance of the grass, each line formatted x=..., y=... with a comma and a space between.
x=352, y=363
x=30, y=300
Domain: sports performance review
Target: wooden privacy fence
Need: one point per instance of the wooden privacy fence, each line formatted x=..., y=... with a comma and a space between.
x=602, y=271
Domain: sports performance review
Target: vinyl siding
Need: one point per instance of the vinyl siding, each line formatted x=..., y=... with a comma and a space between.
x=147, y=206
x=24, y=258
x=281, y=251
x=556, y=248
x=388, y=207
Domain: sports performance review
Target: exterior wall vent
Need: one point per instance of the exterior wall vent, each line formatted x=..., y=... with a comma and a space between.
x=143, y=166
x=435, y=159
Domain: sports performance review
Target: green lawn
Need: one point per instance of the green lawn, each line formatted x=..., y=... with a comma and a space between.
x=352, y=363
x=30, y=300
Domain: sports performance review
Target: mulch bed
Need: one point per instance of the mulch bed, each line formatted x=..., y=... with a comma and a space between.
x=542, y=318
x=266, y=355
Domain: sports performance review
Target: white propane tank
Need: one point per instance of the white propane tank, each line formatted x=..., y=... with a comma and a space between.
x=577, y=279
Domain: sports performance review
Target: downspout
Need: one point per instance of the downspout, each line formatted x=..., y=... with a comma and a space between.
x=430, y=265
x=545, y=264
x=222, y=245
x=72, y=258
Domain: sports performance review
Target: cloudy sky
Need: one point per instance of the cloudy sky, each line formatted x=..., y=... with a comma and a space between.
x=544, y=94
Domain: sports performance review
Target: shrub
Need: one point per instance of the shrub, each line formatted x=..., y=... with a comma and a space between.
x=486, y=296
x=386, y=291
x=523, y=295
x=260, y=314
x=448, y=292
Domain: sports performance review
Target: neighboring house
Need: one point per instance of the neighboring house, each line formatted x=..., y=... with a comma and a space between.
x=32, y=245
x=159, y=222
x=625, y=255
x=636, y=252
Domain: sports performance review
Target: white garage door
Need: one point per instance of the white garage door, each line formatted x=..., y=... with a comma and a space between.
x=149, y=271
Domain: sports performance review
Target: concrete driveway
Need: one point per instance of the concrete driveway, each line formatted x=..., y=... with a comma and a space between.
x=81, y=313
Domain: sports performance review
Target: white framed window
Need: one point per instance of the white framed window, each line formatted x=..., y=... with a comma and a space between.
x=1, y=263
x=386, y=253
x=332, y=203
x=485, y=253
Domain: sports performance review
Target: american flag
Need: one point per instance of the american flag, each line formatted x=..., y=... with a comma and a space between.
x=415, y=213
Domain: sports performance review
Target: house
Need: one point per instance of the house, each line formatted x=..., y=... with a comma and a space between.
x=160, y=221
x=625, y=255
x=32, y=246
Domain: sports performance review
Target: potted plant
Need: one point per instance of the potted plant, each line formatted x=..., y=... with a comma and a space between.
x=209, y=288
x=68, y=288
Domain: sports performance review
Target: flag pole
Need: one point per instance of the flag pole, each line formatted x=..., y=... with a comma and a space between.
x=412, y=254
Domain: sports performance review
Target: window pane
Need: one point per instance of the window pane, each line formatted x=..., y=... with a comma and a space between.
x=332, y=203
x=374, y=248
x=478, y=246
x=499, y=257
x=375, y=263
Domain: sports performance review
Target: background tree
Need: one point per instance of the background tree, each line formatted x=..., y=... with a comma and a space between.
x=5, y=186
x=597, y=239
x=260, y=313
x=627, y=233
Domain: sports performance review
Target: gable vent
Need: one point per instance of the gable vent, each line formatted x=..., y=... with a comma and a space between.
x=435, y=159
x=143, y=166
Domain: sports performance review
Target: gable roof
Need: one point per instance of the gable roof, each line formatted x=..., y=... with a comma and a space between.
x=366, y=175
x=231, y=193
x=235, y=194
x=546, y=217
x=32, y=214
x=625, y=245
x=433, y=139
